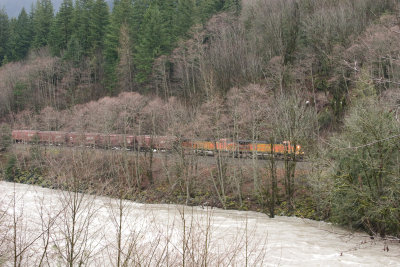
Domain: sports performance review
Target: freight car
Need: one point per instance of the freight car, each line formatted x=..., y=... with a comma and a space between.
x=95, y=140
x=241, y=148
x=24, y=136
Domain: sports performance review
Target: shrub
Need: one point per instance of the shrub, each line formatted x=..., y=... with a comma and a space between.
x=366, y=188
x=5, y=137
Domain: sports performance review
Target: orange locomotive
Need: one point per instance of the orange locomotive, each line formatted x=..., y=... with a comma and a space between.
x=242, y=147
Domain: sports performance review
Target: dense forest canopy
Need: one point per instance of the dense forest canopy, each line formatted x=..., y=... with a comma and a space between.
x=171, y=48
x=122, y=42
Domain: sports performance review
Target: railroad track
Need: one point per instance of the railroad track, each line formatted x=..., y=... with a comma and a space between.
x=158, y=153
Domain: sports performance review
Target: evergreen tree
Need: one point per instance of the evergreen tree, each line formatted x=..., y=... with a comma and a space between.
x=122, y=14
x=167, y=10
x=42, y=22
x=21, y=36
x=125, y=64
x=82, y=23
x=139, y=9
x=74, y=51
x=11, y=39
x=99, y=20
x=150, y=42
x=206, y=8
x=62, y=27
x=184, y=18
x=4, y=36
x=233, y=6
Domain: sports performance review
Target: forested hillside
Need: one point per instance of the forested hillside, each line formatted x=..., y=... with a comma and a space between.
x=116, y=49
x=320, y=73
x=170, y=48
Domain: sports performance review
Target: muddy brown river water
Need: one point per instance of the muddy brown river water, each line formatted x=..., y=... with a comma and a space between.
x=169, y=235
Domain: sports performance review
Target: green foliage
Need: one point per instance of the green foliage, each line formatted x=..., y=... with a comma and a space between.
x=364, y=87
x=84, y=30
x=278, y=43
x=20, y=95
x=151, y=42
x=62, y=27
x=207, y=8
x=325, y=118
x=81, y=23
x=290, y=29
x=5, y=137
x=21, y=37
x=168, y=12
x=5, y=60
x=11, y=169
x=74, y=51
x=42, y=23
x=234, y=6
x=366, y=173
x=4, y=35
x=99, y=20
x=14, y=173
x=184, y=17
x=123, y=13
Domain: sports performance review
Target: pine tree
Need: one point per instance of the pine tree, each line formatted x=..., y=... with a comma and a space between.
x=4, y=36
x=62, y=27
x=42, y=22
x=74, y=51
x=208, y=7
x=125, y=64
x=122, y=14
x=11, y=39
x=139, y=9
x=150, y=42
x=22, y=36
x=184, y=18
x=82, y=23
x=233, y=6
x=167, y=10
x=99, y=20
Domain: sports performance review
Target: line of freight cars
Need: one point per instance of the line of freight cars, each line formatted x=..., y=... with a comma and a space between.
x=157, y=143
x=93, y=139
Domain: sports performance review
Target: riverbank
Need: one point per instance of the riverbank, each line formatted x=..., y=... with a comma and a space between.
x=161, y=178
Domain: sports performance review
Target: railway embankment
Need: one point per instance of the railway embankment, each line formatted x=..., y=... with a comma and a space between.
x=158, y=177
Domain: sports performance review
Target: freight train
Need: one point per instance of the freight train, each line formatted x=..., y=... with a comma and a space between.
x=241, y=148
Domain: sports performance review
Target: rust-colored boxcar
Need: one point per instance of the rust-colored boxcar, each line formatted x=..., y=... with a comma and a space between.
x=103, y=141
x=163, y=143
x=24, y=136
x=50, y=137
x=75, y=138
x=59, y=138
x=144, y=142
x=130, y=141
x=116, y=140
x=90, y=139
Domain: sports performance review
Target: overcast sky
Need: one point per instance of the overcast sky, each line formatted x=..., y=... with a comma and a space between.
x=13, y=7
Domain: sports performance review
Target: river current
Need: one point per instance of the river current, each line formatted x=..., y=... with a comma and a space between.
x=170, y=235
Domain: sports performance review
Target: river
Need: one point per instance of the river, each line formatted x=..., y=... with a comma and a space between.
x=40, y=225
